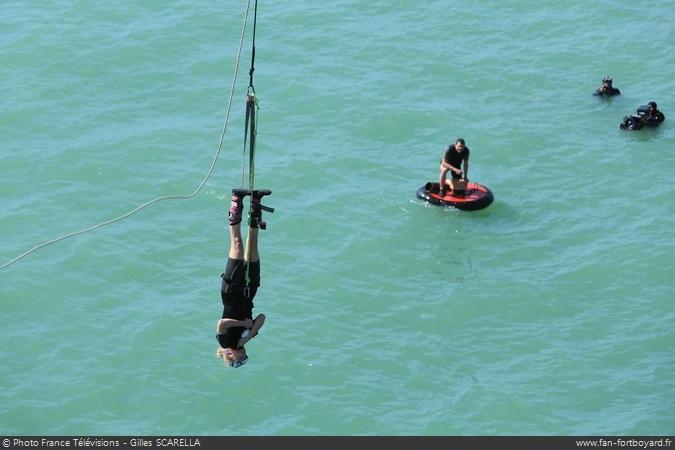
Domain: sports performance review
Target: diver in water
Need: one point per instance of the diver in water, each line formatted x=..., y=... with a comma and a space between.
x=647, y=115
x=653, y=117
x=241, y=280
x=606, y=89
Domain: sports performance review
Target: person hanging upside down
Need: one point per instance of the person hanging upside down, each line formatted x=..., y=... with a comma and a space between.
x=452, y=162
x=240, y=281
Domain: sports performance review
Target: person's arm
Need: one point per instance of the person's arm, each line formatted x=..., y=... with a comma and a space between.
x=465, y=174
x=446, y=165
x=253, y=332
x=224, y=324
x=450, y=167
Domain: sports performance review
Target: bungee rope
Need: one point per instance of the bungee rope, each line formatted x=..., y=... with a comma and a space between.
x=252, y=69
x=250, y=131
x=250, y=94
x=165, y=197
x=251, y=108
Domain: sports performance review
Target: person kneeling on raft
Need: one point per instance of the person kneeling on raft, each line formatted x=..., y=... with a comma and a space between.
x=606, y=89
x=240, y=281
x=452, y=161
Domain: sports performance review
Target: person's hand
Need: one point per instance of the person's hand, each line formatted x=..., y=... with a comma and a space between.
x=248, y=323
x=458, y=172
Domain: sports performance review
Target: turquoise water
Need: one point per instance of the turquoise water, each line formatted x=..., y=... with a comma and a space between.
x=550, y=312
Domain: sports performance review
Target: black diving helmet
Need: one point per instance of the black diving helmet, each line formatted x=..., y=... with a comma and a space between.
x=644, y=110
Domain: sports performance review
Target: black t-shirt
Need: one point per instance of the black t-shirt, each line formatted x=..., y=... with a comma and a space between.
x=236, y=305
x=237, y=298
x=230, y=338
x=455, y=158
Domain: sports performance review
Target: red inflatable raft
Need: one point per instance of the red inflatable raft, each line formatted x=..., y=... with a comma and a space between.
x=476, y=196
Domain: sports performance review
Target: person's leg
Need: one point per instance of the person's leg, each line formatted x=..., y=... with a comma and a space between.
x=236, y=242
x=441, y=182
x=255, y=214
x=235, y=213
x=251, y=253
x=255, y=222
x=232, y=277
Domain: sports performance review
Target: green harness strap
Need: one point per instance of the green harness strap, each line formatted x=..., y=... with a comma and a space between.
x=251, y=131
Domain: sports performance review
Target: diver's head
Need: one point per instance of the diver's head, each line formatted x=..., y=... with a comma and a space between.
x=607, y=81
x=233, y=357
x=652, y=106
x=459, y=144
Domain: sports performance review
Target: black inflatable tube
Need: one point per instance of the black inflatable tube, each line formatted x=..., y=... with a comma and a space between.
x=476, y=197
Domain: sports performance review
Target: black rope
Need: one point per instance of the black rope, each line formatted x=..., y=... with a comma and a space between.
x=250, y=107
x=250, y=120
x=249, y=129
x=246, y=131
x=250, y=133
x=250, y=72
x=249, y=126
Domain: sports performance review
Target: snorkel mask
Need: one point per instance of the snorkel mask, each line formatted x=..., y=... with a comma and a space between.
x=238, y=363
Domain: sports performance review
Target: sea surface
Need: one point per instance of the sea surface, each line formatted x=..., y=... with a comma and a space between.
x=551, y=312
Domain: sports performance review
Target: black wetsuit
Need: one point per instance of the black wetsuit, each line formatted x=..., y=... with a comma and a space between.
x=640, y=120
x=654, y=119
x=455, y=158
x=607, y=92
x=237, y=297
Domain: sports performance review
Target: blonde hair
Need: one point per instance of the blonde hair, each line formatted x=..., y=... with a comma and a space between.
x=220, y=353
x=230, y=360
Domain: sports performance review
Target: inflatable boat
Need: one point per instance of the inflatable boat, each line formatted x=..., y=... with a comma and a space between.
x=475, y=196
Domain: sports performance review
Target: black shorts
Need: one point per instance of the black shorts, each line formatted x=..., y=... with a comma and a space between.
x=236, y=294
x=452, y=172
